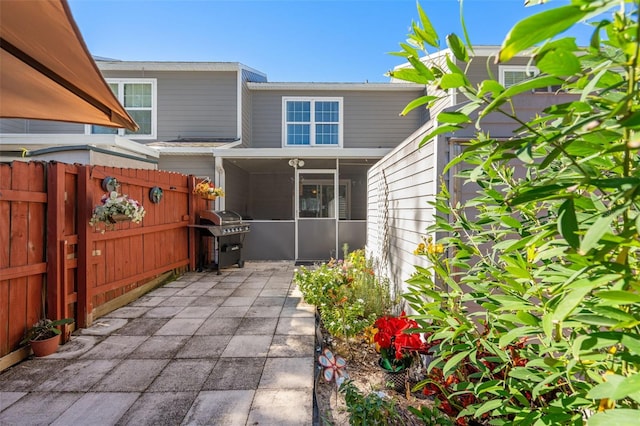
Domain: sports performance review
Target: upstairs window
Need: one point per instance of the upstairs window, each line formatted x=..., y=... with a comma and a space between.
x=514, y=74
x=312, y=121
x=138, y=96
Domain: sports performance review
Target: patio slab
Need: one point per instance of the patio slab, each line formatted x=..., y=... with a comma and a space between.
x=228, y=407
x=229, y=349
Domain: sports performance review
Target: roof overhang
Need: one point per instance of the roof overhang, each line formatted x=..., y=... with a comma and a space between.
x=368, y=87
x=116, y=65
x=17, y=142
x=301, y=152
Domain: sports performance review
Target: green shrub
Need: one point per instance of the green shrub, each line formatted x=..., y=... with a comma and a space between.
x=348, y=295
x=531, y=304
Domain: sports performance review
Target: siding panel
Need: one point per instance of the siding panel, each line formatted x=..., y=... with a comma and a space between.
x=196, y=104
x=371, y=119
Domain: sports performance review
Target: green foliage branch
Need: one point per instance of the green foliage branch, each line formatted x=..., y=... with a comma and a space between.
x=533, y=309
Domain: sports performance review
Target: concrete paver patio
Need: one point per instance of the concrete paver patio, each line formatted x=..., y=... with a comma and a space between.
x=206, y=349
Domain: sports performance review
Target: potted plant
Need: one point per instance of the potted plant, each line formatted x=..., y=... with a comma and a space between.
x=207, y=190
x=44, y=336
x=397, y=346
x=116, y=208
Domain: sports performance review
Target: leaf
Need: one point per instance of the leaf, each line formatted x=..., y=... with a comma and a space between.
x=452, y=81
x=595, y=320
x=617, y=417
x=559, y=63
x=616, y=387
x=457, y=47
x=523, y=86
x=453, y=118
x=538, y=193
x=422, y=100
x=419, y=66
x=488, y=406
x=569, y=302
x=490, y=86
x=428, y=32
x=632, y=121
x=595, y=232
x=453, y=362
x=440, y=130
x=409, y=74
x=539, y=27
x=511, y=222
x=568, y=223
x=619, y=296
x=515, y=333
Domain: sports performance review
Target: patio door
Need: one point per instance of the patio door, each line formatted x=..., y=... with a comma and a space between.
x=317, y=213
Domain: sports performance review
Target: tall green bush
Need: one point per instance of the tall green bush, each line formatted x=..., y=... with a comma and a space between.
x=532, y=305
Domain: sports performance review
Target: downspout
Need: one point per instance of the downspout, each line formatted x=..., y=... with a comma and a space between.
x=239, y=108
x=220, y=179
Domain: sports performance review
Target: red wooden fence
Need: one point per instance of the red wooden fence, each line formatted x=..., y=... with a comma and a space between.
x=23, y=268
x=46, y=241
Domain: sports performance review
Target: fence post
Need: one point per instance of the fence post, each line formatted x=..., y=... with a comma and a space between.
x=191, y=200
x=55, y=226
x=85, y=244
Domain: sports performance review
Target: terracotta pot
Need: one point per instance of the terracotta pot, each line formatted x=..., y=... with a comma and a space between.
x=45, y=347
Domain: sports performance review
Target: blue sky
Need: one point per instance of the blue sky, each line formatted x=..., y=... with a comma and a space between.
x=289, y=40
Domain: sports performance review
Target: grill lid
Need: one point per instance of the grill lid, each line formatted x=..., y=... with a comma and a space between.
x=220, y=217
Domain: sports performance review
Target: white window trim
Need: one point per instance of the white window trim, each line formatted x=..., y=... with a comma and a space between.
x=525, y=68
x=154, y=107
x=312, y=130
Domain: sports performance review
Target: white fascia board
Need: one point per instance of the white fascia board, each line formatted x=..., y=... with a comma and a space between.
x=368, y=87
x=191, y=150
x=301, y=152
x=130, y=145
x=167, y=66
x=48, y=140
x=176, y=150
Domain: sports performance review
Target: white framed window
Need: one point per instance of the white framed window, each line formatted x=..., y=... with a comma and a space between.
x=139, y=98
x=308, y=121
x=513, y=74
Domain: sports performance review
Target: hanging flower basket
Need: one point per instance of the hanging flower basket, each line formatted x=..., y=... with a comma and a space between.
x=207, y=190
x=116, y=208
x=118, y=217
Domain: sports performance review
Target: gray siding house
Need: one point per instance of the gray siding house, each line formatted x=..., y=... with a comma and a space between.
x=292, y=157
x=404, y=182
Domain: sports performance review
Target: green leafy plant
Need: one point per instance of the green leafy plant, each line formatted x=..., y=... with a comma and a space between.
x=431, y=416
x=370, y=409
x=348, y=295
x=531, y=305
x=44, y=329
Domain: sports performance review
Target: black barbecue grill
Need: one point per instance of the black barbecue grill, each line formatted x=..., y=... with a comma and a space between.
x=227, y=229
